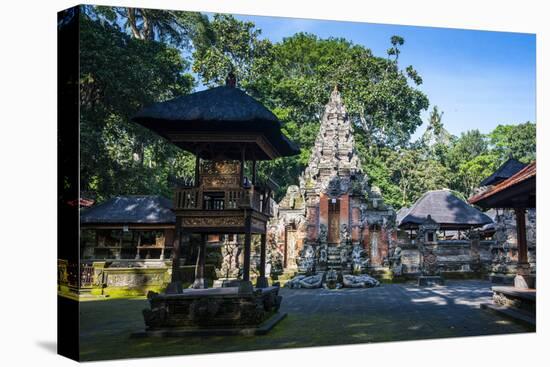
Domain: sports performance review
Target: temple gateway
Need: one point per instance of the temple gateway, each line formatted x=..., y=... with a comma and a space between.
x=333, y=220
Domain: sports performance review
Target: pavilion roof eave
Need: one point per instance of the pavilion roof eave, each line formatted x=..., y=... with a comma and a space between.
x=518, y=191
x=224, y=116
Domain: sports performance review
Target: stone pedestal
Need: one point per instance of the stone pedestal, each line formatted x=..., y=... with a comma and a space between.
x=227, y=310
x=524, y=279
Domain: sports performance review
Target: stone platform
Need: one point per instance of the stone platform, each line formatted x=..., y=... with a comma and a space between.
x=516, y=303
x=227, y=311
x=261, y=329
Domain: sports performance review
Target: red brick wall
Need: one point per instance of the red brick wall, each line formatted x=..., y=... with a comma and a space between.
x=323, y=209
x=355, y=223
x=344, y=209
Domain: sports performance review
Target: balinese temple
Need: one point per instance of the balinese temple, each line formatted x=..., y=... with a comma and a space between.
x=333, y=219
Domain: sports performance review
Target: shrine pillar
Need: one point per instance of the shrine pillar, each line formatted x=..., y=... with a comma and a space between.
x=262, y=282
x=523, y=277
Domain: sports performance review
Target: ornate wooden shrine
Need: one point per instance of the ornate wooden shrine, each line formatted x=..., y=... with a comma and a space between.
x=228, y=132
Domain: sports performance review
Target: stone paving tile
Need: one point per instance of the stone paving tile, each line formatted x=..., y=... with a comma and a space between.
x=318, y=317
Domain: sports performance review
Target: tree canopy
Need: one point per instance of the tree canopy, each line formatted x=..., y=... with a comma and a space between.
x=133, y=57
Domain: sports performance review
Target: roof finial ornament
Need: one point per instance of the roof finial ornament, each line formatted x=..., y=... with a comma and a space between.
x=335, y=95
x=231, y=80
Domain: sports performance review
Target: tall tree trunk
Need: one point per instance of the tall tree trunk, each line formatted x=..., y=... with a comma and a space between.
x=147, y=27
x=133, y=24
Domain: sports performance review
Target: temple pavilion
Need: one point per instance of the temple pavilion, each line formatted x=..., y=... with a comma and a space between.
x=437, y=235
x=519, y=193
x=228, y=132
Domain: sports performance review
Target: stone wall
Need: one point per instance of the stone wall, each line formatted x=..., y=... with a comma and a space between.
x=504, y=251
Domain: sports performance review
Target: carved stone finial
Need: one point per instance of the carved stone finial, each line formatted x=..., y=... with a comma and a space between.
x=231, y=80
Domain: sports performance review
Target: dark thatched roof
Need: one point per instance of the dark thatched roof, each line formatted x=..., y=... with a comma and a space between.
x=517, y=191
x=222, y=109
x=147, y=209
x=445, y=209
x=226, y=104
x=507, y=170
x=400, y=214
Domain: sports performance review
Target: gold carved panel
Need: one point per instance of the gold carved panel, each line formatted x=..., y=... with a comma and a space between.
x=220, y=174
x=236, y=221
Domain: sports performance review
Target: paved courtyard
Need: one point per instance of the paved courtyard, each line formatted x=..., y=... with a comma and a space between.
x=391, y=312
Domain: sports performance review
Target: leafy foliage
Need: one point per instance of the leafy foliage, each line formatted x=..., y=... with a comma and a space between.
x=133, y=57
x=119, y=74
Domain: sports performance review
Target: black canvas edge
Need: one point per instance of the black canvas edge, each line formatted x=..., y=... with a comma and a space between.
x=68, y=172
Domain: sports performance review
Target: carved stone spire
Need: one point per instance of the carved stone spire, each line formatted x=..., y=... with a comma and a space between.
x=334, y=157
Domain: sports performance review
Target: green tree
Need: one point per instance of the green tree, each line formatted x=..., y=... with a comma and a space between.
x=120, y=74
x=233, y=46
x=517, y=141
x=472, y=172
x=172, y=27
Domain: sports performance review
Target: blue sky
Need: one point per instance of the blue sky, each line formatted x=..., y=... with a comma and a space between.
x=480, y=79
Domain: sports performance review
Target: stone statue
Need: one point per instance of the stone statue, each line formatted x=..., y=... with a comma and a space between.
x=331, y=280
x=359, y=281
x=322, y=254
x=395, y=262
x=274, y=255
x=230, y=266
x=323, y=234
x=358, y=259
x=306, y=260
x=305, y=281
x=344, y=234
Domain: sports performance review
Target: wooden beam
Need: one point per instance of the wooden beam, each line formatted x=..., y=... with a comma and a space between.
x=254, y=172
x=262, y=280
x=247, y=244
x=200, y=280
x=197, y=169
x=176, y=252
x=241, y=175
x=521, y=235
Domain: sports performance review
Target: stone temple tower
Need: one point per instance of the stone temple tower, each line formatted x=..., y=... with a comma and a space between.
x=333, y=219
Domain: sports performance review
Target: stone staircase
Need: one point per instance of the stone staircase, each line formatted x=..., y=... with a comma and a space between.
x=334, y=260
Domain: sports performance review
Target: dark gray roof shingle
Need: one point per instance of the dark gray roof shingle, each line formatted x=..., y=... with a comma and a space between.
x=216, y=110
x=146, y=209
x=507, y=170
x=445, y=209
x=400, y=214
x=216, y=104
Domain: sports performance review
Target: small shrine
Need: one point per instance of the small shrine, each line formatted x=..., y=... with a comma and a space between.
x=333, y=224
x=438, y=236
x=228, y=132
